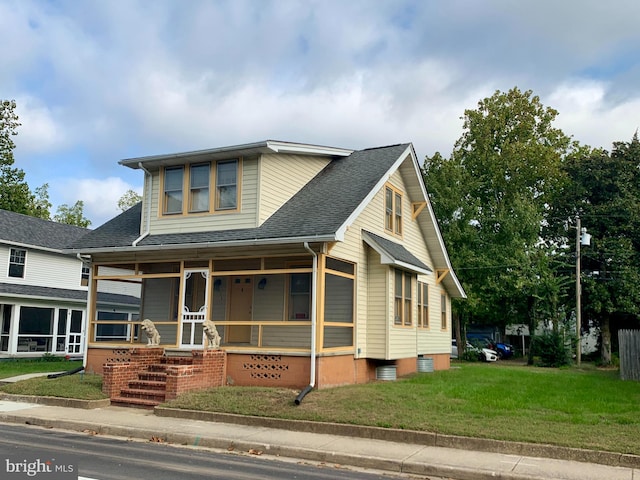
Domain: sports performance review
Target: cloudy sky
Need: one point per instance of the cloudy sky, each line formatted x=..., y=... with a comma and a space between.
x=97, y=81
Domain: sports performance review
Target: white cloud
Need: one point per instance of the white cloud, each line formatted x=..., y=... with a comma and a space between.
x=39, y=131
x=100, y=196
x=586, y=114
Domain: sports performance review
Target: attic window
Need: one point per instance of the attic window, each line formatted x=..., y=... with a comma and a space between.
x=393, y=210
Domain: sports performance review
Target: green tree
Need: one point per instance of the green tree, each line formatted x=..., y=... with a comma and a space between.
x=128, y=200
x=491, y=198
x=604, y=192
x=72, y=215
x=14, y=191
x=41, y=206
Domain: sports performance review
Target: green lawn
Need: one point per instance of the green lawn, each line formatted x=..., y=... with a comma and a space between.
x=585, y=408
x=12, y=367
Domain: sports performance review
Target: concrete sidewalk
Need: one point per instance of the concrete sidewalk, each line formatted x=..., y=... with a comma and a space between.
x=392, y=456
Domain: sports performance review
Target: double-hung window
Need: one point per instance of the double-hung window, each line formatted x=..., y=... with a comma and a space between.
x=402, y=308
x=443, y=312
x=423, y=305
x=393, y=210
x=173, y=182
x=199, y=187
x=227, y=185
x=300, y=296
x=17, y=260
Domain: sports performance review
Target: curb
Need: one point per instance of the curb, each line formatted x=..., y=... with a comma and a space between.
x=57, y=401
x=429, y=439
x=404, y=465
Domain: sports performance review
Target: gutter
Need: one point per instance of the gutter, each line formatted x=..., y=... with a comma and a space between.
x=224, y=243
x=147, y=174
x=314, y=300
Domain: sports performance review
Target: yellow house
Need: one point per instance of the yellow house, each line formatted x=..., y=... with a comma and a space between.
x=317, y=264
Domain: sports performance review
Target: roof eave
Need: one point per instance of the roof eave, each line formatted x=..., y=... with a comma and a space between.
x=268, y=146
x=220, y=244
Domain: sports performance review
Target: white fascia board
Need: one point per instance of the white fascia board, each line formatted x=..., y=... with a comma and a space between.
x=436, y=230
x=286, y=147
x=34, y=247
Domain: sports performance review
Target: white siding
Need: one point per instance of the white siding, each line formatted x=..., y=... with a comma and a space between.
x=44, y=269
x=282, y=176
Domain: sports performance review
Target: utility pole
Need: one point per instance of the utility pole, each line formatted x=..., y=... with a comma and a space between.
x=578, y=295
x=582, y=238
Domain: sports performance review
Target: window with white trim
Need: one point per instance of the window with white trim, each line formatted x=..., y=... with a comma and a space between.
x=17, y=261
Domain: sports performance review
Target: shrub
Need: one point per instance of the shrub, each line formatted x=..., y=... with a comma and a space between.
x=551, y=350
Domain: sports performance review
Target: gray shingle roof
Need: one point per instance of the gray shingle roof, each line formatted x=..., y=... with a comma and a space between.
x=65, y=294
x=26, y=230
x=397, y=252
x=319, y=209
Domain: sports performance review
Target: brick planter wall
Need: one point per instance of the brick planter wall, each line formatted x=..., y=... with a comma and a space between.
x=208, y=370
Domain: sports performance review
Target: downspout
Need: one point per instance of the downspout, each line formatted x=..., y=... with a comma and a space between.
x=147, y=174
x=89, y=300
x=312, y=380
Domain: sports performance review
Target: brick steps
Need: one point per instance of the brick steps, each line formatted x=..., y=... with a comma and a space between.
x=150, y=377
x=150, y=388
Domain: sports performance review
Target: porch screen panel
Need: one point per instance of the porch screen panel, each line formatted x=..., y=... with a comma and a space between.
x=338, y=301
x=295, y=336
x=160, y=300
x=338, y=337
x=6, y=323
x=268, y=298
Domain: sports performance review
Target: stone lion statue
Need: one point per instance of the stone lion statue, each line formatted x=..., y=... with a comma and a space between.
x=211, y=332
x=151, y=331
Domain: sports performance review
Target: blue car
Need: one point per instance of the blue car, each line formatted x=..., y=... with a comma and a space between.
x=504, y=349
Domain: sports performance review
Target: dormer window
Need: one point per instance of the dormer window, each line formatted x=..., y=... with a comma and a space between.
x=199, y=188
x=227, y=185
x=196, y=180
x=173, y=180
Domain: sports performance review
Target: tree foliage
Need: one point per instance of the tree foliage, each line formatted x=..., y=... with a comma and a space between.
x=72, y=215
x=14, y=191
x=605, y=193
x=507, y=200
x=128, y=200
x=15, y=194
x=491, y=198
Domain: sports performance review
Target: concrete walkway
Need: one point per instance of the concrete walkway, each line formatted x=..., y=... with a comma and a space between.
x=392, y=456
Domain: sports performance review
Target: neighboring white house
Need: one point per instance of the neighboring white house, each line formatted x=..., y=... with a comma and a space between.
x=43, y=289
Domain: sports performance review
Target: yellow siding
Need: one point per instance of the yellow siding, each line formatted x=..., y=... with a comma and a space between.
x=246, y=218
x=374, y=300
x=373, y=342
x=282, y=176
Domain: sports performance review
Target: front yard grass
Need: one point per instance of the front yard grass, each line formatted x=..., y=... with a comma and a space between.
x=12, y=367
x=584, y=408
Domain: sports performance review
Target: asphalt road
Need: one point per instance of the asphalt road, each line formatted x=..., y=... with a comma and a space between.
x=103, y=458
